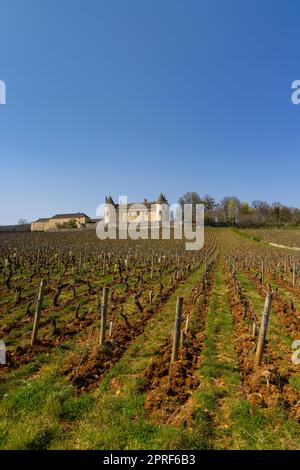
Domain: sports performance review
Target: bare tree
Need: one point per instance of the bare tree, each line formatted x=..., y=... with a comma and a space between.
x=231, y=208
x=190, y=198
x=22, y=221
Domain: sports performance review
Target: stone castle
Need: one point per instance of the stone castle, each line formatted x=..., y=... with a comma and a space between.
x=145, y=211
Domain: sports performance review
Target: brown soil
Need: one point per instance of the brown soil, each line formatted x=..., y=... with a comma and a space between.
x=267, y=385
x=287, y=313
x=22, y=355
x=86, y=372
x=169, y=386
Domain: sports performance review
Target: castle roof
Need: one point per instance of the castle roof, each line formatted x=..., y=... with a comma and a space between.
x=41, y=220
x=69, y=216
x=162, y=199
x=109, y=200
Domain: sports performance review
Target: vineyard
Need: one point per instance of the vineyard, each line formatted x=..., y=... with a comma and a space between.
x=144, y=345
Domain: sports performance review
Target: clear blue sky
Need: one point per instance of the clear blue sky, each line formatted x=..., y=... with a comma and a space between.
x=137, y=96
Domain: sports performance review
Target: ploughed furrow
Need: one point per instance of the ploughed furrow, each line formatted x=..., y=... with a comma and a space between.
x=133, y=291
x=284, y=284
x=68, y=308
x=285, y=309
x=48, y=313
x=57, y=334
x=266, y=385
x=168, y=385
x=22, y=355
x=85, y=372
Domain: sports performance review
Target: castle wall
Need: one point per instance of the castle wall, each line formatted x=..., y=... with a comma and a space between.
x=137, y=213
x=40, y=226
x=53, y=224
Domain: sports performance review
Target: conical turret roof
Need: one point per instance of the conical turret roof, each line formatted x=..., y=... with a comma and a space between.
x=109, y=200
x=162, y=199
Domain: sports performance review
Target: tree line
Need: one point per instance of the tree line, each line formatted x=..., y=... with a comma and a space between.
x=230, y=211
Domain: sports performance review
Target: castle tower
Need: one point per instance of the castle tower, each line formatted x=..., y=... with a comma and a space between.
x=108, y=210
x=162, y=209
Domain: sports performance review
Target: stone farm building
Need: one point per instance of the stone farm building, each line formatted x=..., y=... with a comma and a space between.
x=146, y=211
x=59, y=220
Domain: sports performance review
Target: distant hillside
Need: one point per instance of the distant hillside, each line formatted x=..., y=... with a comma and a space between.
x=15, y=228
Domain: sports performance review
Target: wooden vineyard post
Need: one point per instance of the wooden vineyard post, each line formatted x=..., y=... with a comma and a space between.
x=177, y=330
x=103, y=316
x=178, y=268
x=111, y=325
x=263, y=327
x=182, y=338
x=244, y=311
x=104, y=265
x=262, y=272
x=187, y=323
x=38, y=312
x=294, y=273
x=38, y=261
x=127, y=264
x=152, y=266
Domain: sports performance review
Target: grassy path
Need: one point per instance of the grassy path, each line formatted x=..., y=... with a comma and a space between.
x=224, y=416
x=220, y=392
